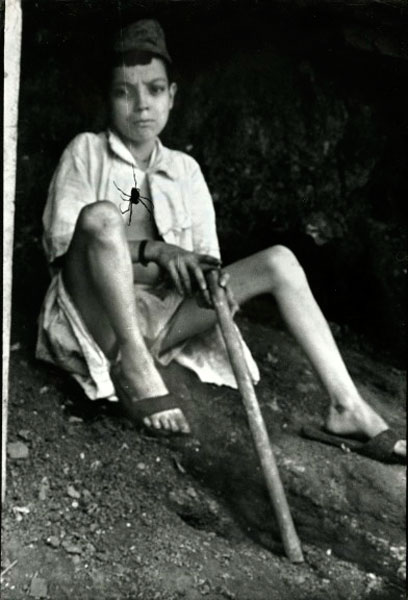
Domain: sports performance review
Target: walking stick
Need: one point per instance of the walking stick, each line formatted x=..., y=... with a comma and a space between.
x=257, y=426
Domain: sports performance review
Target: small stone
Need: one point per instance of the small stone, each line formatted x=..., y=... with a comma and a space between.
x=44, y=389
x=71, y=548
x=93, y=527
x=141, y=466
x=24, y=510
x=53, y=541
x=273, y=404
x=24, y=434
x=179, y=466
x=90, y=548
x=227, y=593
x=44, y=489
x=76, y=559
x=75, y=504
x=213, y=507
x=191, y=492
x=74, y=419
x=38, y=588
x=273, y=360
x=175, y=497
x=73, y=493
x=306, y=388
x=205, y=589
x=86, y=496
x=17, y=450
x=92, y=508
x=402, y=570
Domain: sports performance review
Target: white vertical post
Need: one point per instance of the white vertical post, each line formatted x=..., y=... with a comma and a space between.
x=12, y=54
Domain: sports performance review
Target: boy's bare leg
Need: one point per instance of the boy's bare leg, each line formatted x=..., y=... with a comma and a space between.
x=277, y=271
x=98, y=276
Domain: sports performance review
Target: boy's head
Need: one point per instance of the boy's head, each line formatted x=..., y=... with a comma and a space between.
x=141, y=92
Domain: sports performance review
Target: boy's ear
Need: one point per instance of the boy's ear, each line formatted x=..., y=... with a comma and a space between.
x=172, y=92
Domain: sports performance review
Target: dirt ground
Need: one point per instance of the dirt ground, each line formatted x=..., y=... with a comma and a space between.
x=97, y=509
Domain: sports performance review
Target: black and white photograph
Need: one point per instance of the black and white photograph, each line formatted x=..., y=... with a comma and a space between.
x=204, y=299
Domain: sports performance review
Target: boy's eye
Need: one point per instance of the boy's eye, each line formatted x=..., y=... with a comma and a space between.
x=119, y=92
x=155, y=90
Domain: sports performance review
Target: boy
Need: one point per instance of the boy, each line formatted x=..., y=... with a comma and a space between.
x=125, y=295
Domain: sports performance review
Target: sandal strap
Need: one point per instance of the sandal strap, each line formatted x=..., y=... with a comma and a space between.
x=150, y=406
x=145, y=407
x=381, y=446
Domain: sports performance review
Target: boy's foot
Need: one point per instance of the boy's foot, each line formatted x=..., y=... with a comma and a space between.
x=158, y=413
x=360, y=421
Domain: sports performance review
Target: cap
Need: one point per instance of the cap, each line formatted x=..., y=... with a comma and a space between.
x=146, y=35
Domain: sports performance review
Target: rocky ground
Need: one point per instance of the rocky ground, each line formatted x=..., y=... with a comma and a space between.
x=97, y=509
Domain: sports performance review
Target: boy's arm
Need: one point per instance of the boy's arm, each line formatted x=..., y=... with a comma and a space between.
x=68, y=193
x=185, y=269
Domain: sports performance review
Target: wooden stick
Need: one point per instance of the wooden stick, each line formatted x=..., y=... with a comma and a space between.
x=257, y=426
x=12, y=49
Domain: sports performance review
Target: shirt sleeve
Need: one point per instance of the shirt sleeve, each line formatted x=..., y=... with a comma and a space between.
x=205, y=239
x=70, y=190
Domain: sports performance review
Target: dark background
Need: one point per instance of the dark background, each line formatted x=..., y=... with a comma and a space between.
x=296, y=111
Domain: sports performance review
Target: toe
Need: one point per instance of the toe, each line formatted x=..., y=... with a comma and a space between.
x=170, y=420
x=165, y=421
x=156, y=422
x=174, y=424
x=147, y=422
x=400, y=448
x=182, y=424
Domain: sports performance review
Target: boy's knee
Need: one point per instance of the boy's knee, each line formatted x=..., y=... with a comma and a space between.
x=283, y=267
x=99, y=219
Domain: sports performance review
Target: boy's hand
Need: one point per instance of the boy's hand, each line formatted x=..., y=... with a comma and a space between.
x=232, y=303
x=223, y=279
x=186, y=269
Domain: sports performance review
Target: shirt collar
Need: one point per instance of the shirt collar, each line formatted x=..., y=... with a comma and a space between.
x=160, y=161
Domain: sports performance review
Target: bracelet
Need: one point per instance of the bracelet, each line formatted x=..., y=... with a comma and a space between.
x=141, y=257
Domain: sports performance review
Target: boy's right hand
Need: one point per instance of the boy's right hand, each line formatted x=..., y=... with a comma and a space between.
x=186, y=269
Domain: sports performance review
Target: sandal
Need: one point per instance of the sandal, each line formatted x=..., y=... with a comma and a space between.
x=380, y=447
x=138, y=410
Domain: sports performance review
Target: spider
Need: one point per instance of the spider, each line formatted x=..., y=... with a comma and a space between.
x=134, y=198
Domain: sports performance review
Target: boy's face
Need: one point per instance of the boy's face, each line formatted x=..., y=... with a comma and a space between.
x=141, y=100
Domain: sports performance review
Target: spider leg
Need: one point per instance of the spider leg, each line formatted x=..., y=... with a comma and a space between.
x=121, y=191
x=149, y=210
x=134, y=175
x=128, y=208
x=144, y=198
x=130, y=213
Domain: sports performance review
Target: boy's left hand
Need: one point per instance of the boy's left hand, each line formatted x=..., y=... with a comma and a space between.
x=232, y=303
x=223, y=279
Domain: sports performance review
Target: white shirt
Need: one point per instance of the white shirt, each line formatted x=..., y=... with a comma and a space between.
x=182, y=205
x=184, y=215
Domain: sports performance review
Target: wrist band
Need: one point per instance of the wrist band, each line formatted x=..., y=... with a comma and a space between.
x=141, y=257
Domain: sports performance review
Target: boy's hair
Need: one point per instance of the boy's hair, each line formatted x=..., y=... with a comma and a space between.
x=140, y=57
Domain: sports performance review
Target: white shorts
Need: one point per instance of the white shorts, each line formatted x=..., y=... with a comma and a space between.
x=64, y=340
